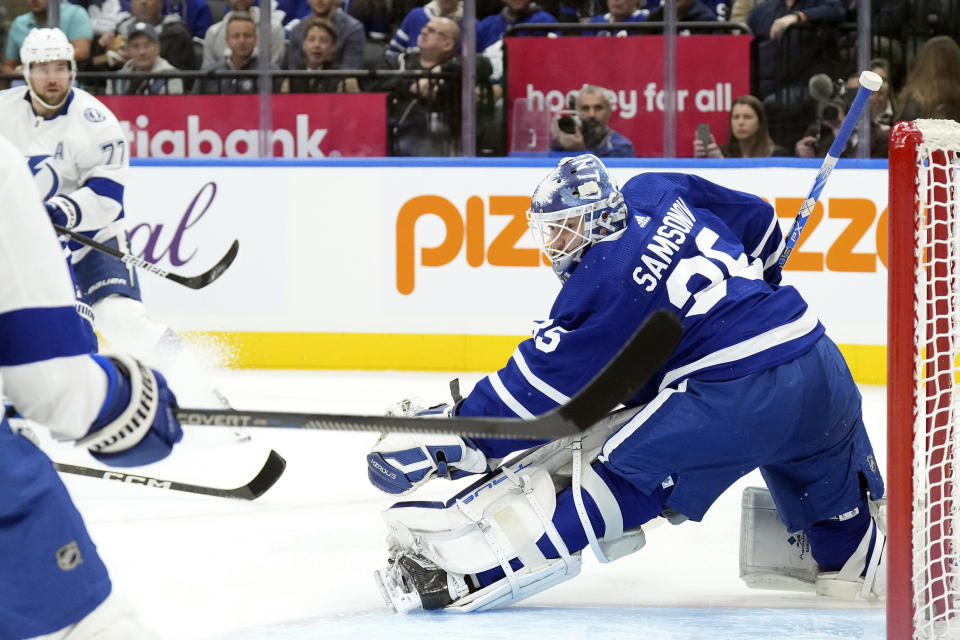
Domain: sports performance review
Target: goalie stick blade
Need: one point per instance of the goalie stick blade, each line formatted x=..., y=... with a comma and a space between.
x=211, y=274
x=267, y=476
x=633, y=366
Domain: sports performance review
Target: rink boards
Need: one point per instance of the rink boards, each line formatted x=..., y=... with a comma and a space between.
x=427, y=265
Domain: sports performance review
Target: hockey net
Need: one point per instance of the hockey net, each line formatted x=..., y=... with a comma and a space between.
x=923, y=398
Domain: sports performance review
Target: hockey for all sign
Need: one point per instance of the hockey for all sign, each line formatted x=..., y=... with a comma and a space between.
x=545, y=73
x=304, y=125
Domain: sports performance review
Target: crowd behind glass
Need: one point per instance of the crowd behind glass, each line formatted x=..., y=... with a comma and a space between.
x=411, y=51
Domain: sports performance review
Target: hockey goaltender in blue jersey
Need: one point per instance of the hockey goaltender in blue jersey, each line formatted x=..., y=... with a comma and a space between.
x=754, y=383
x=688, y=245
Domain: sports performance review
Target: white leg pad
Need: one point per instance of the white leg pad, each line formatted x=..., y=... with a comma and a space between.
x=505, y=516
x=770, y=556
x=530, y=581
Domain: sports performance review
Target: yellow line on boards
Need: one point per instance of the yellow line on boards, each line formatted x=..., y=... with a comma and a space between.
x=415, y=352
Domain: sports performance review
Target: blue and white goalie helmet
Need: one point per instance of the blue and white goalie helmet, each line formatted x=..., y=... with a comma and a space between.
x=577, y=204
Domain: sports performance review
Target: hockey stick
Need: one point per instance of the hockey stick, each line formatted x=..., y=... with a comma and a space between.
x=631, y=368
x=869, y=82
x=194, y=282
x=267, y=476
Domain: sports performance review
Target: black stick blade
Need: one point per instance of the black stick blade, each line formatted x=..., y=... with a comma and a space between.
x=633, y=366
x=267, y=476
x=201, y=280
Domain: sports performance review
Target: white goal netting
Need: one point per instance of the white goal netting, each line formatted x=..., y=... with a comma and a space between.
x=936, y=498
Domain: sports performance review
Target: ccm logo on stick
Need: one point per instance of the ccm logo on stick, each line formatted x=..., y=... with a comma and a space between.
x=123, y=477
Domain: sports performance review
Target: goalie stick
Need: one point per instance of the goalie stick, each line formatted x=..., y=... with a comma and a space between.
x=869, y=82
x=638, y=361
x=194, y=282
x=267, y=476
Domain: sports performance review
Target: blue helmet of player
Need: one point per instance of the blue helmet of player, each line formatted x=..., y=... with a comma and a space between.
x=577, y=204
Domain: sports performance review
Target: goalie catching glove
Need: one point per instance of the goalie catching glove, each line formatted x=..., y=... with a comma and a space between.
x=136, y=424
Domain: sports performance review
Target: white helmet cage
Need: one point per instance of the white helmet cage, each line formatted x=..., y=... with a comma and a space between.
x=46, y=45
x=577, y=204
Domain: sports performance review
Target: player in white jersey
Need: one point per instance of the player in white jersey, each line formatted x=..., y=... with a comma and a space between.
x=78, y=155
x=51, y=577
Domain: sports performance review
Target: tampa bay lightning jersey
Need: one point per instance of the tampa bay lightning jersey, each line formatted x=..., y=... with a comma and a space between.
x=39, y=324
x=81, y=154
x=705, y=252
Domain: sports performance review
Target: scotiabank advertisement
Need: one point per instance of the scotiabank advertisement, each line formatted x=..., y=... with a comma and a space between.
x=545, y=73
x=304, y=125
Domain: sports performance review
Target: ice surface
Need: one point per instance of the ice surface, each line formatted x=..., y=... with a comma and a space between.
x=298, y=562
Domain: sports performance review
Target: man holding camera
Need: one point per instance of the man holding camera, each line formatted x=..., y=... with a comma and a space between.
x=588, y=130
x=833, y=102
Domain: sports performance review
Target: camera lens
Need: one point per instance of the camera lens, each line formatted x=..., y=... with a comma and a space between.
x=831, y=113
x=567, y=124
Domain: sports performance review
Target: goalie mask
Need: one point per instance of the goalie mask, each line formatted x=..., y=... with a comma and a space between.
x=46, y=45
x=577, y=204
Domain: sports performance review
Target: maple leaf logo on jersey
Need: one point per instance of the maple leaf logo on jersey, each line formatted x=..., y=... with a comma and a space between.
x=48, y=182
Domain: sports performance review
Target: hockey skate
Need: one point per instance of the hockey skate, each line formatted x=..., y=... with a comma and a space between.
x=413, y=582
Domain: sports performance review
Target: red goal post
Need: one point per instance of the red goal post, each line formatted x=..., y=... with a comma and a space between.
x=923, y=402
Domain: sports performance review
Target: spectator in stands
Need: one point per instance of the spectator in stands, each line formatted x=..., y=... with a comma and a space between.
x=591, y=132
x=195, y=14
x=319, y=54
x=687, y=11
x=805, y=53
x=491, y=29
x=105, y=16
x=143, y=49
x=424, y=112
x=719, y=8
x=242, y=44
x=176, y=43
x=419, y=16
x=620, y=11
x=820, y=135
x=932, y=89
x=374, y=15
x=74, y=22
x=215, y=40
x=748, y=137
x=881, y=101
x=740, y=10
x=350, y=34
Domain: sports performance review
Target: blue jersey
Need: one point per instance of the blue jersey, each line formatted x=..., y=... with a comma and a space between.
x=705, y=252
x=638, y=15
x=490, y=30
